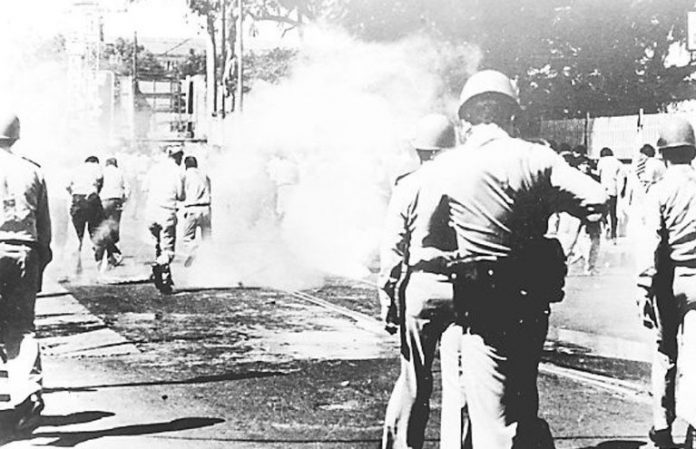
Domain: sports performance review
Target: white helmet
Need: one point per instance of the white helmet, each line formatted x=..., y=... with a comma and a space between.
x=9, y=127
x=486, y=82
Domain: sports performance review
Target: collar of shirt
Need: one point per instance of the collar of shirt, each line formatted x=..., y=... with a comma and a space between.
x=480, y=135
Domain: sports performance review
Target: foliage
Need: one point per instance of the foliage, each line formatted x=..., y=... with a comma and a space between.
x=570, y=58
x=270, y=66
x=118, y=57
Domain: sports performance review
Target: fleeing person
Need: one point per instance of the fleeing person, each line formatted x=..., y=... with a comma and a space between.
x=114, y=194
x=25, y=250
x=197, y=205
x=86, y=208
x=667, y=281
x=164, y=188
x=613, y=178
x=497, y=192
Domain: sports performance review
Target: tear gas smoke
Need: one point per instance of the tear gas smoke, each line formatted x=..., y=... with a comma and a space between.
x=302, y=182
x=47, y=81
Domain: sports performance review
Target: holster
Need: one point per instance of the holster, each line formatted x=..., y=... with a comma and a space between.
x=522, y=284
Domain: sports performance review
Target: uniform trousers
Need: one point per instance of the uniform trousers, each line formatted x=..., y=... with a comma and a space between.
x=113, y=209
x=162, y=225
x=501, y=348
x=674, y=361
x=427, y=316
x=20, y=361
x=87, y=211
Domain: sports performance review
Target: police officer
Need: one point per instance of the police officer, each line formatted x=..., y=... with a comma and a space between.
x=497, y=192
x=86, y=208
x=419, y=301
x=667, y=274
x=196, y=206
x=25, y=237
x=165, y=187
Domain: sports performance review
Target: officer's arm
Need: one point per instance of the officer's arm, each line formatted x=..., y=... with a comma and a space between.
x=574, y=192
x=394, y=241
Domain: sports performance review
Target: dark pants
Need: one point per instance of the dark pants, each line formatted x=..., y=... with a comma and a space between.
x=613, y=218
x=20, y=362
x=113, y=208
x=504, y=333
x=86, y=211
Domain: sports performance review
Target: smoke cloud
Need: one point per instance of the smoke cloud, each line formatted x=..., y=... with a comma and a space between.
x=301, y=182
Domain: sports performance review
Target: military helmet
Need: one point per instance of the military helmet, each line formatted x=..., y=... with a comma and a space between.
x=675, y=132
x=9, y=126
x=487, y=82
x=434, y=132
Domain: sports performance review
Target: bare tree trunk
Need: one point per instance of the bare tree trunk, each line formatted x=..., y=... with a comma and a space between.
x=210, y=22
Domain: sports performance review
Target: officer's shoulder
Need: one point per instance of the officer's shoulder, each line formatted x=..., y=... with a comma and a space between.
x=31, y=161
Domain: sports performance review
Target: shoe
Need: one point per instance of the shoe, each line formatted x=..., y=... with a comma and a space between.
x=29, y=414
x=662, y=438
x=690, y=435
x=116, y=259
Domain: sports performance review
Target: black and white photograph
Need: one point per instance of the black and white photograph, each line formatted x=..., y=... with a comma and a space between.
x=369, y=224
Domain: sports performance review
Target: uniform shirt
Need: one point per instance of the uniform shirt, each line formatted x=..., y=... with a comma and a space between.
x=611, y=174
x=88, y=179
x=164, y=185
x=496, y=192
x=24, y=212
x=196, y=188
x=115, y=186
x=399, y=227
x=669, y=218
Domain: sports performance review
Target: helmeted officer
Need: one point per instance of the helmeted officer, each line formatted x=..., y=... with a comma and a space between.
x=165, y=187
x=667, y=278
x=25, y=238
x=418, y=300
x=496, y=192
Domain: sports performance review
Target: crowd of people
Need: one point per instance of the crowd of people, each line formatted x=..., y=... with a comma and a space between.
x=470, y=262
x=97, y=198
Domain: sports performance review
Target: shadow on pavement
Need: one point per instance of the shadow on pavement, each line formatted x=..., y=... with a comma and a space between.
x=194, y=380
x=73, y=418
x=71, y=439
x=617, y=444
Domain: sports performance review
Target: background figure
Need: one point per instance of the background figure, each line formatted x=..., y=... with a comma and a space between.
x=25, y=238
x=113, y=195
x=196, y=207
x=164, y=187
x=86, y=207
x=613, y=179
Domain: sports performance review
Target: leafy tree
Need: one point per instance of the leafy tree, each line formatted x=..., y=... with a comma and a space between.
x=569, y=57
x=118, y=57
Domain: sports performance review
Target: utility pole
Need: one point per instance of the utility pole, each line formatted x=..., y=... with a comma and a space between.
x=240, y=54
x=134, y=66
x=223, y=44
